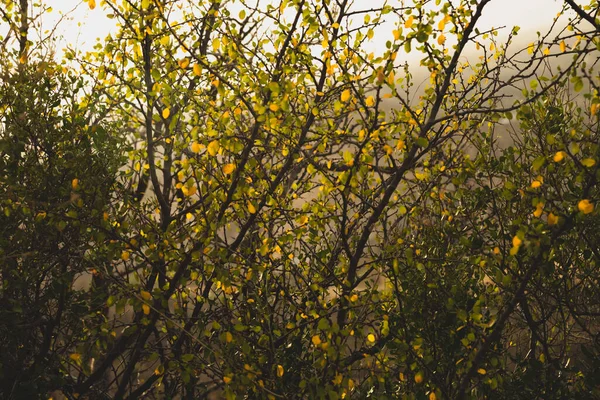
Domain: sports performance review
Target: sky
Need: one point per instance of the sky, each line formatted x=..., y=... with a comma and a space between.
x=86, y=25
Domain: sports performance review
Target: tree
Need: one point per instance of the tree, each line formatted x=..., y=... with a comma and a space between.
x=300, y=217
x=57, y=166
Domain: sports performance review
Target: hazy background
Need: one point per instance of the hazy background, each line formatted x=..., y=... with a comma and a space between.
x=81, y=26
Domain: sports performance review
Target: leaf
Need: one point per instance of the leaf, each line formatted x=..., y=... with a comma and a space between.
x=280, y=371
x=370, y=101
x=165, y=40
x=559, y=156
x=125, y=255
x=552, y=219
x=316, y=340
x=196, y=147
x=538, y=163
x=184, y=63
x=75, y=184
x=146, y=309
x=577, y=83
x=585, y=206
x=516, y=241
x=228, y=169
x=409, y=22
x=146, y=295
x=422, y=142
x=91, y=4
x=197, y=69
x=371, y=338
x=216, y=44
x=165, y=113
x=213, y=148
x=251, y=208
x=538, y=210
x=345, y=96
x=419, y=377
x=588, y=162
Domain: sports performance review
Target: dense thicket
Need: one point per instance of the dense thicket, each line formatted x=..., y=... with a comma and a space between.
x=232, y=201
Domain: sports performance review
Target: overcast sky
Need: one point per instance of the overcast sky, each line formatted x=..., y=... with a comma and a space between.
x=86, y=25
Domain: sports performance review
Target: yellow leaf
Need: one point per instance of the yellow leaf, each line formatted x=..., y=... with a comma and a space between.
x=316, y=340
x=273, y=107
x=228, y=169
x=442, y=23
x=516, y=242
x=145, y=309
x=585, y=206
x=538, y=210
x=396, y=33
x=339, y=378
x=441, y=39
x=371, y=338
x=213, y=148
x=536, y=184
x=226, y=379
x=419, y=377
x=345, y=95
x=216, y=43
x=370, y=101
x=531, y=48
x=409, y=22
x=251, y=208
x=391, y=77
x=558, y=157
x=184, y=63
x=165, y=40
x=188, y=191
x=196, y=147
x=197, y=70
x=145, y=295
x=354, y=298
x=75, y=183
x=588, y=162
x=228, y=337
x=552, y=219
x=280, y=371
x=432, y=396
x=125, y=255
x=92, y=4
x=380, y=76
x=563, y=46
x=165, y=113
x=75, y=357
x=496, y=250
x=481, y=371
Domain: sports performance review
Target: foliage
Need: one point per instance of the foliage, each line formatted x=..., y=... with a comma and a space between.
x=285, y=214
x=56, y=179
